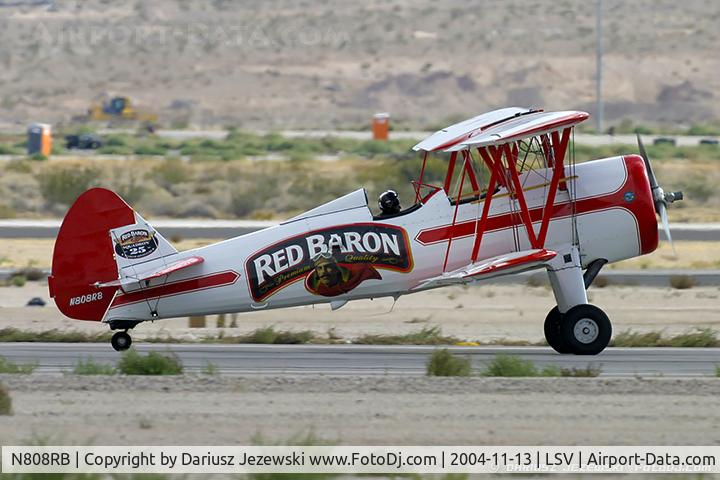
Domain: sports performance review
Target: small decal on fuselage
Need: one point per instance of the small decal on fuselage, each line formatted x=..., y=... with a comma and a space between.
x=136, y=243
x=332, y=261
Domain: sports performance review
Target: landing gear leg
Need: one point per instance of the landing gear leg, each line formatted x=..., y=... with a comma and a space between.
x=574, y=326
x=121, y=341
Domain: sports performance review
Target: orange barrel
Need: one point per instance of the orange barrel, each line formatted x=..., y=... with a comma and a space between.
x=381, y=126
x=39, y=139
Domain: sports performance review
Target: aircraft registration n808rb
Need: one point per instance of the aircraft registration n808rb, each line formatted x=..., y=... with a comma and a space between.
x=537, y=209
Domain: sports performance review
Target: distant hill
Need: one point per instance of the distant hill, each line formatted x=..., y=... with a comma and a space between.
x=303, y=64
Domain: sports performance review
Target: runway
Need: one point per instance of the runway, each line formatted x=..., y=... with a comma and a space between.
x=366, y=360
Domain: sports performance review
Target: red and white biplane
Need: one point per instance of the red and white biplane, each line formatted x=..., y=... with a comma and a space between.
x=538, y=209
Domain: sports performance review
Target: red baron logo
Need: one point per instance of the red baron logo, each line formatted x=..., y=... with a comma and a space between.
x=136, y=243
x=332, y=261
x=90, y=297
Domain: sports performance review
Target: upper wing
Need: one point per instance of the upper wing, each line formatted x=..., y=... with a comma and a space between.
x=524, y=126
x=507, y=264
x=458, y=132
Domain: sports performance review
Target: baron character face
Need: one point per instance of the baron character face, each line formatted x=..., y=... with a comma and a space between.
x=328, y=271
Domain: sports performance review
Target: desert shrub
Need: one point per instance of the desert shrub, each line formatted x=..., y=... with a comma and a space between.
x=682, y=282
x=154, y=363
x=629, y=338
x=268, y=335
x=6, y=149
x=170, y=172
x=6, y=366
x=513, y=366
x=589, y=371
x=19, y=165
x=697, y=187
x=18, y=280
x=248, y=197
x=5, y=401
x=32, y=274
x=426, y=336
x=16, y=335
x=117, y=140
x=64, y=183
x=699, y=337
x=7, y=211
x=91, y=367
x=442, y=363
x=116, y=150
x=150, y=149
x=706, y=129
x=210, y=369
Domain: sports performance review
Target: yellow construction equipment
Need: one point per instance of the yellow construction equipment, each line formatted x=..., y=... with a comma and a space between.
x=109, y=109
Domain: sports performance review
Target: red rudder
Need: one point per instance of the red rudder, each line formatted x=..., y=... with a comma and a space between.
x=83, y=254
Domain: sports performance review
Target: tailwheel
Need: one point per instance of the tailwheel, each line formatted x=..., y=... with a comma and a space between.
x=552, y=331
x=586, y=330
x=121, y=341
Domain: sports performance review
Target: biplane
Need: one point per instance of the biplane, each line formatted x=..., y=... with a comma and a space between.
x=513, y=199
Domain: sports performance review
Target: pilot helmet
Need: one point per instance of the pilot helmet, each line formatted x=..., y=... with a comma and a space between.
x=389, y=201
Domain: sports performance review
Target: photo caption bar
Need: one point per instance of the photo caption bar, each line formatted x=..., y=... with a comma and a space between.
x=361, y=459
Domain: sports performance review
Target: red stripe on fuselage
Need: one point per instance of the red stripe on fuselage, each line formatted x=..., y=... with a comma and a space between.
x=641, y=207
x=183, y=286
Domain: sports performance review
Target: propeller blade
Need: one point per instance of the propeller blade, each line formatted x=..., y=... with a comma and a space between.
x=648, y=167
x=662, y=210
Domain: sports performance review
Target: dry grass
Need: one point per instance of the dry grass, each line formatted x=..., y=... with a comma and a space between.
x=442, y=363
x=682, y=282
x=5, y=401
x=426, y=336
x=698, y=337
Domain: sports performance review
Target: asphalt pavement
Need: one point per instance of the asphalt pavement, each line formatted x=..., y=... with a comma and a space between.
x=366, y=360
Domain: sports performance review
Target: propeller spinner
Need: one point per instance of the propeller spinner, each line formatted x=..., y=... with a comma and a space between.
x=661, y=199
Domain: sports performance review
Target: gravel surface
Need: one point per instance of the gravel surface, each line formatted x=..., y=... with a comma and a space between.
x=389, y=410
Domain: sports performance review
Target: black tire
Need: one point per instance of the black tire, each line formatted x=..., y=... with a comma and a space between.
x=121, y=341
x=586, y=330
x=553, y=336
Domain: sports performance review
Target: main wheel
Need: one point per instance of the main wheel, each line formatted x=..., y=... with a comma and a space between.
x=121, y=341
x=586, y=329
x=552, y=331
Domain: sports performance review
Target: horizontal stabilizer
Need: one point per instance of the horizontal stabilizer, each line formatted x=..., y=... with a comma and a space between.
x=507, y=264
x=156, y=272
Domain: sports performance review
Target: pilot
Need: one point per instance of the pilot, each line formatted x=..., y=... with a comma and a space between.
x=389, y=202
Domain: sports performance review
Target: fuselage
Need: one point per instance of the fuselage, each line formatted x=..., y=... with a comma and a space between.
x=339, y=251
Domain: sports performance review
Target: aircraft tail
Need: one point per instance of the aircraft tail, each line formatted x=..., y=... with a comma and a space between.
x=99, y=236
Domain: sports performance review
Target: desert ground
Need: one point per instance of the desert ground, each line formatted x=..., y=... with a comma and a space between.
x=389, y=410
x=291, y=64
